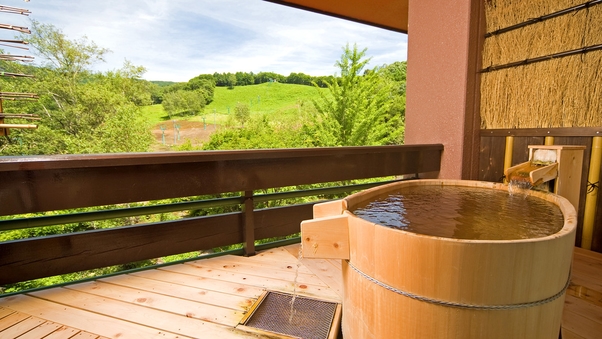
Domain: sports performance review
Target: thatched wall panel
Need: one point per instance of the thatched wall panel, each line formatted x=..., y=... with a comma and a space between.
x=504, y=13
x=561, y=92
x=563, y=33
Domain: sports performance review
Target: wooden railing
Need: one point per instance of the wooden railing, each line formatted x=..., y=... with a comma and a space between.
x=51, y=183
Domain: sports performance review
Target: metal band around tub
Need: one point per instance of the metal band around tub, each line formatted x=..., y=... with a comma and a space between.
x=460, y=305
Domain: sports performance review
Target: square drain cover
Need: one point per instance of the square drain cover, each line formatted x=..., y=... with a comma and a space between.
x=311, y=319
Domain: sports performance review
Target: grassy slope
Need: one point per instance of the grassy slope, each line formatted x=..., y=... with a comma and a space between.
x=277, y=100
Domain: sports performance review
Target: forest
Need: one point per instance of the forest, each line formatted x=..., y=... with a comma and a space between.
x=82, y=111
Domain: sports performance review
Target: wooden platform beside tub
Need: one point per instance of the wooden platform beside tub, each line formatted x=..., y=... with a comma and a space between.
x=207, y=298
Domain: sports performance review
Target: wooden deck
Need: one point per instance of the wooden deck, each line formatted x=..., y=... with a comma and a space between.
x=208, y=298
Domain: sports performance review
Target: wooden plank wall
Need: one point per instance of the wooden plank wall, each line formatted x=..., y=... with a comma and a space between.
x=492, y=153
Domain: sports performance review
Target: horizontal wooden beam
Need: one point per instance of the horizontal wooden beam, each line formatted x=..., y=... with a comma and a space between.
x=544, y=132
x=45, y=183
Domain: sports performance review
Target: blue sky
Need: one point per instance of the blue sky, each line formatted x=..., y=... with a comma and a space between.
x=176, y=40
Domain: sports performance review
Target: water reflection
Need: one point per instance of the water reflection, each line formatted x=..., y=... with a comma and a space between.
x=464, y=213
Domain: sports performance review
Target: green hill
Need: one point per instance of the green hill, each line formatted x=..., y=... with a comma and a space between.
x=277, y=100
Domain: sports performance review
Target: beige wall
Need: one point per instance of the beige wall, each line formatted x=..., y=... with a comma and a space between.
x=442, y=89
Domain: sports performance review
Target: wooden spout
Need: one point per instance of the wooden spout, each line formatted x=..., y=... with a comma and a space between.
x=533, y=173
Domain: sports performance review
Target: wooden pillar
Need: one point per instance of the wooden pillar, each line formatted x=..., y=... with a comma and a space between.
x=445, y=40
x=249, y=225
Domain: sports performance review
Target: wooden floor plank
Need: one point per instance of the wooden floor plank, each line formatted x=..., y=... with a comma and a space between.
x=114, y=307
x=286, y=273
x=278, y=254
x=84, y=335
x=182, y=307
x=63, y=333
x=5, y=312
x=327, y=273
x=583, y=308
x=581, y=325
x=147, y=317
x=21, y=328
x=566, y=334
x=76, y=318
x=41, y=331
x=581, y=253
x=12, y=320
x=586, y=294
x=201, y=282
x=295, y=250
x=265, y=281
x=328, y=270
x=586, y=275
x=201, y=295
x=257, y=263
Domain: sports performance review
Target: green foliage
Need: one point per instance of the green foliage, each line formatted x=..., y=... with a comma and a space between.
x=203, y=83
x=259, y=133
x=357, y=111
x=82, y=112
x=242, y=113
x=184, y=102
x=244, y=79
x=70, y=57
x=395, y=73
x=263, y=77
x=299, y=78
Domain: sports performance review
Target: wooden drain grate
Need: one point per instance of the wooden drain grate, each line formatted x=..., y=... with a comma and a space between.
x=312, y=318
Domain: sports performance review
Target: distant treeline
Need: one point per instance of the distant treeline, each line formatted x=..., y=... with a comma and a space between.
x=250, y=78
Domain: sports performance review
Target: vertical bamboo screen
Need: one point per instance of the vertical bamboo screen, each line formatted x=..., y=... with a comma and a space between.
x=559, y=92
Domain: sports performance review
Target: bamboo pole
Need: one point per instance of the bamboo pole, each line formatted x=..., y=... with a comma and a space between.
x=508, y=155
x=22, y=126
x=14, y=10
x=16, y=28
x=591, y=199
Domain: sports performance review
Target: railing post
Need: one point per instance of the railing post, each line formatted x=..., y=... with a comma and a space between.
x=249, y=226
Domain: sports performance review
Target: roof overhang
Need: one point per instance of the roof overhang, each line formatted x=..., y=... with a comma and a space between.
x=387, y=14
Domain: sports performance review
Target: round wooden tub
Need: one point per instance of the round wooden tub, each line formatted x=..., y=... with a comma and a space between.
x=400, y=284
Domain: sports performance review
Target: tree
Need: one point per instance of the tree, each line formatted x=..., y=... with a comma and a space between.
x=395, y=73
x=231, y=80
x=182, y=101
x=299, y=79
x=204, y=83
x=70, y=57
x=244, y=79
x=242, y=112
x=81, y=111
x=356, y=109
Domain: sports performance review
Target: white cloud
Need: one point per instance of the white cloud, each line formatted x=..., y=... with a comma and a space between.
x=179, y=39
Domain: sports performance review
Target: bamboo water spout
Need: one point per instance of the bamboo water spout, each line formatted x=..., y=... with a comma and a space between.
x=563, y=164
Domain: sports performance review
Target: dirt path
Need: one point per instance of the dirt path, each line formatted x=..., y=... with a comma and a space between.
x=189, y=130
